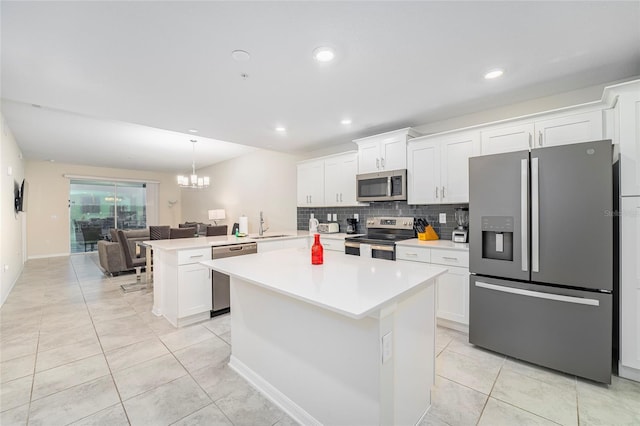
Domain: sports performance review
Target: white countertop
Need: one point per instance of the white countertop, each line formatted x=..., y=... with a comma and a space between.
x=353, y=286
x=227, y=240
x=222, y=240
x=437, y=244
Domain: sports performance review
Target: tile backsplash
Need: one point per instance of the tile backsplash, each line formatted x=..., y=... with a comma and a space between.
x=393, y=208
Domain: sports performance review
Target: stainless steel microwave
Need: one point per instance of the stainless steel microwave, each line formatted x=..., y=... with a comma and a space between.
x=382, y=186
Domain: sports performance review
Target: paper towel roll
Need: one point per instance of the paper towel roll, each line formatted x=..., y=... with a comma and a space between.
x=243, y=225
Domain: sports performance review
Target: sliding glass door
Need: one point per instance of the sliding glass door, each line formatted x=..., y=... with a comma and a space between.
x=98, y=206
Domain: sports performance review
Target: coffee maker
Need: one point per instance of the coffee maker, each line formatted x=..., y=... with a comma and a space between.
x=460, y=234
x=352, y=226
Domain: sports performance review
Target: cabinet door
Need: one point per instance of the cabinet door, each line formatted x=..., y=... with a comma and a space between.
x=423, y=172
x=630, y=283
x=455, y=151
x=194, y=295
x=347, y=186
x=628, y=122
x=332, y=181
x=393, y=152
x=369, y=156
x=265, y=246
x=506, y=139
x=311, y=184
x=576, y=128
x=453, y=295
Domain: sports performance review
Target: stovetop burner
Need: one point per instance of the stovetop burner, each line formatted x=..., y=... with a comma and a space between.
x=386, y=230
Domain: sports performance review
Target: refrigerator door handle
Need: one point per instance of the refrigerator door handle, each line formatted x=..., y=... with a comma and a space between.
x=524, y=189
x=535, y=217
x=539, y=295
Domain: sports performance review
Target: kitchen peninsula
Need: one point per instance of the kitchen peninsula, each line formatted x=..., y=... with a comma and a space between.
x=182, y=287
x=347, y=342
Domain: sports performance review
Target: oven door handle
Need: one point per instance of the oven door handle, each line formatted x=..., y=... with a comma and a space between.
x=382, y=248
x=350, y=244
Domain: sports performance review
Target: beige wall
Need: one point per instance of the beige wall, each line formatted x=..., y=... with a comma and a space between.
x=11, y=224
x=262, y=180
x=48, y=215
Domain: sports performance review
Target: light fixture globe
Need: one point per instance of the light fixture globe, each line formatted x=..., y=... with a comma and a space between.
x=193, y=181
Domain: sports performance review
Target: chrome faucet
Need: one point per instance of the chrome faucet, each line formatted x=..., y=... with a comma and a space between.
x=261, y=229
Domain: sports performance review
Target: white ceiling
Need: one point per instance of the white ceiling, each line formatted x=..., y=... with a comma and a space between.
x=106, y=73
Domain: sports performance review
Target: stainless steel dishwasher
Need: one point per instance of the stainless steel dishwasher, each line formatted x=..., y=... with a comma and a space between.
x=220, y=281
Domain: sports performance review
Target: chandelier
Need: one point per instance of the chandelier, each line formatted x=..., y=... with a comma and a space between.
x=193, y=181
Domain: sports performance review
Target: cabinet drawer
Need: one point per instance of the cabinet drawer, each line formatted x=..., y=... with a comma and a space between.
x=194, y=255
x=450, y=257
x=415, y=254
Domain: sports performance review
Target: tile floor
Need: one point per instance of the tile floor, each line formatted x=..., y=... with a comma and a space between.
x=75, y=350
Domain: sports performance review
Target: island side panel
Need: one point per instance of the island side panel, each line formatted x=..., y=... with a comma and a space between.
x=414, y=355
x=325, y=363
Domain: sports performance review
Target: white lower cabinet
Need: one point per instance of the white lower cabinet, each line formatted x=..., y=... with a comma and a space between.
x=452, y=302
x=452, y=290
x=182, y=293
x=194, y=296
x=629, y=365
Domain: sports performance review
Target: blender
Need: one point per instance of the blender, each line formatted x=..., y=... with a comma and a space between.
x=460, y=234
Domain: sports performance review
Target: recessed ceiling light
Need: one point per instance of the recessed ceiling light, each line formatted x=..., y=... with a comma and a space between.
x=493, y=74
x=240, y=55
x=193, y=130
x=346, y=121
x=324, y=54
x=281, y=129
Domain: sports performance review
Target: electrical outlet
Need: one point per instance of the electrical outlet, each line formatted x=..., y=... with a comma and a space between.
x=387, y=347
x=328, y=217
x=356, y=216
x=443, y=218
x=335, y=217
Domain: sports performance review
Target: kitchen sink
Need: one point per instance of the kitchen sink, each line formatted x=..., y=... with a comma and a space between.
x=269, y=236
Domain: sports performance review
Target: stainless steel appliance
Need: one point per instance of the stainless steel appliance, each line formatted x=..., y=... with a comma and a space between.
x=541, y=256
x=352, y=225
x=381, y=237
x=460, y=234
x=328, y=228
x=220, y=282
x=382, y=186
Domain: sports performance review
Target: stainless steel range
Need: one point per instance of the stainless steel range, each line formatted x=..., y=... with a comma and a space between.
x=382, y=235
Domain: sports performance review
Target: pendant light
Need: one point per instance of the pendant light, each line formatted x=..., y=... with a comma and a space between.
x=193, y=181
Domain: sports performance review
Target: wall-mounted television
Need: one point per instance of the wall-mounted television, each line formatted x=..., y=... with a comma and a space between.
x=20, y=195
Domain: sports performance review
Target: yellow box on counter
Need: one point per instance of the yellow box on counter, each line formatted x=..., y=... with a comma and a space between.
x=429, y=234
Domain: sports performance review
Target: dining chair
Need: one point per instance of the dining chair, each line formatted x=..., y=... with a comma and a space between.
x=216, y=230
x=182, y=233
x=131, y=262
x=161, y=232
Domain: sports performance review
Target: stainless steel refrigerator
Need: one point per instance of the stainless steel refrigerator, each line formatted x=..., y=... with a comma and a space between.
x=541, y=256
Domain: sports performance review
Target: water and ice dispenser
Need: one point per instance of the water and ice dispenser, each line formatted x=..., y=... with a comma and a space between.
x=497, y=237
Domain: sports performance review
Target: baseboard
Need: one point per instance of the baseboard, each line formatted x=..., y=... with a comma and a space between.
x=274, y=395
x=628, y=373
x=453, y=325
x=13, y=284
x=45, y=256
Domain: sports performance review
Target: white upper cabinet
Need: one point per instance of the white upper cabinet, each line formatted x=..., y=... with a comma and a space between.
x=583, y=127
x=340, y=180
x=311, y=184
x=507, y=139
x=387, y=151
x=438, y=168
x=628, y=135
x=328, y=181
x=576, y=128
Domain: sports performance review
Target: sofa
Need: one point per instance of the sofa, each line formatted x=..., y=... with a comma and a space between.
x=111, y=255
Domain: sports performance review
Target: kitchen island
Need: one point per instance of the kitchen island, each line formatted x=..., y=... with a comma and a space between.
x=347, y=342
